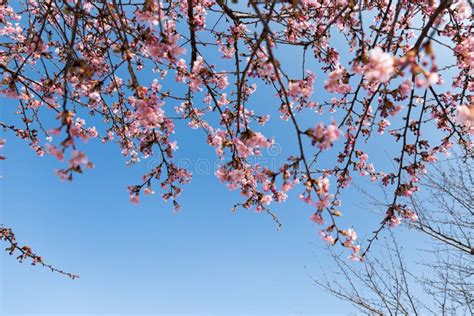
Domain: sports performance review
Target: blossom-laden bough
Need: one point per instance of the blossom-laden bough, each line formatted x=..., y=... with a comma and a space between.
x=26, y=253
x=65, y=61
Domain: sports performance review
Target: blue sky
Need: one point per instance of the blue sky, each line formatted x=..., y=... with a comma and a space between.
x=145, y=259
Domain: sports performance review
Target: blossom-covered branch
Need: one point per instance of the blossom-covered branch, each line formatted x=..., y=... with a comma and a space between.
x=80, y=70
x=26, y=253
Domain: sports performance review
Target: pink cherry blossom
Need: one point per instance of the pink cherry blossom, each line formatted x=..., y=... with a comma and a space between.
x=323, y=135
x=327, y=238
x=317, y=218
x=338, y=81
x=466, y=117
x=380, y=66
x=78, y=158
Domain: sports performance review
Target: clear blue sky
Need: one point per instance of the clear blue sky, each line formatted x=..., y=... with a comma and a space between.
x=143, y=259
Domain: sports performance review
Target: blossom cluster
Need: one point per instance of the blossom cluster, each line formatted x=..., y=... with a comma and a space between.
x=134, y=71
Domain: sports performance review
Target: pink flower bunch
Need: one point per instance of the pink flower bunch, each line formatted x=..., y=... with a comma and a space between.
x=199, y=12
x=405, y=88
x=465, y=54
x=302, y=89
x=380, y=66
x=396, y=212
x=321, y=186
x=249, y=178
x=78, y=130
x=318, y=218
x=262, y=67
x=361, y=165
x=350, y=242
x=151, y=13
x=250, y=144
x=7, y=12
x=327, y=237
x=296, y=27
x=338, y=81
x=181, y=71
x=55, y=151
x=466, y=117
x=227, y=48
x=407, y=189
x=234, y=178
x=197, y=74
x=383, y=124
x=148, y=111
x=323, y=135
x=217, y=139
x=78, y=158
x=167, y=47
x=394, y=221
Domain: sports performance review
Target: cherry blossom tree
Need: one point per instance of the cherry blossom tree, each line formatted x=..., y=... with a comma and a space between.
x=70, y=62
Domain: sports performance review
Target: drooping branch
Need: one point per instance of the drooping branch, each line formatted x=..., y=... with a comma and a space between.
x=26, y=253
